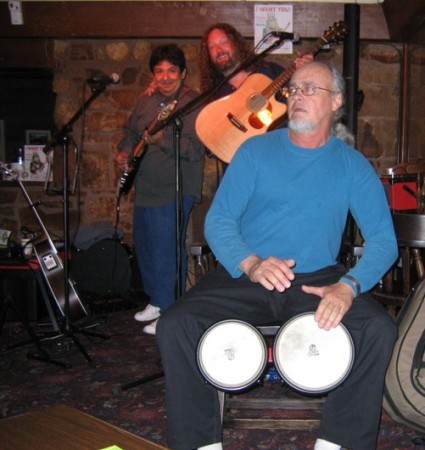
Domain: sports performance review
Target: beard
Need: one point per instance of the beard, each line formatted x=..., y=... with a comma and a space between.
x=227, y=65
x=301, y=126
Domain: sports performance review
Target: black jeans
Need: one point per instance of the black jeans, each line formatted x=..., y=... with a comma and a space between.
x=352, y=411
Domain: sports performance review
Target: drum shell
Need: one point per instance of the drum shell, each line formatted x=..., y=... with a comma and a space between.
x=232, y=355
x=310, y=359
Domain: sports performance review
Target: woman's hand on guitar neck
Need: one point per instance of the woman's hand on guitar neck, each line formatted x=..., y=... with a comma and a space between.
x=121, y=161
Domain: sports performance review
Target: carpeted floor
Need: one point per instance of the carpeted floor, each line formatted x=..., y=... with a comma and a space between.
x=125, y=357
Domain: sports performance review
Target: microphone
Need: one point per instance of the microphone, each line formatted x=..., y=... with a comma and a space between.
x=283, y=35
x=114, y=78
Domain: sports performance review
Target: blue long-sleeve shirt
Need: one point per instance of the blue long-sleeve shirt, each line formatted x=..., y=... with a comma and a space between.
x=278, y=199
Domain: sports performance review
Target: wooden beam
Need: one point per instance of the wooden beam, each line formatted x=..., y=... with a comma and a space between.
x=406, y=20
x=167, y=19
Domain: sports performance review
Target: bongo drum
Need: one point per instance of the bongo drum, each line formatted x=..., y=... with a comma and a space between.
x=310, y=359
x=232, y=355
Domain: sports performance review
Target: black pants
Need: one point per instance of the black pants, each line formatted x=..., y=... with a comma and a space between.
x=352, y=411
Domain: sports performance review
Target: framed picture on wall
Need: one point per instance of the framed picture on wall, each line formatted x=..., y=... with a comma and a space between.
x=37, y=165
x=2, y=142
x=37, y=137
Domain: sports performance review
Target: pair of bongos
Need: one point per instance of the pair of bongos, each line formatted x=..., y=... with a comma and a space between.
x=233, y=355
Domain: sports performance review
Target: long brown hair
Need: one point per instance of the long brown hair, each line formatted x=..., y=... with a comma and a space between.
x=209, y=74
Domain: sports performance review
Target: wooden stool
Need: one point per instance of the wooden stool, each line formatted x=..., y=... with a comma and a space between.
x=204, y=260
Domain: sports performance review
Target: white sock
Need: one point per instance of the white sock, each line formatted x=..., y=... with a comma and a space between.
x=321, y=444
x=216, y=446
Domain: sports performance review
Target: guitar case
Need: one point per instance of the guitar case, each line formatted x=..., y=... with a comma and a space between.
x=103, y=270
x=404, y=396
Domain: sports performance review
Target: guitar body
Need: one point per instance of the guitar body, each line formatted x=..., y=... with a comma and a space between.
x=51, y=265
x=127, y=178
x=52, y=268
x=225, y=124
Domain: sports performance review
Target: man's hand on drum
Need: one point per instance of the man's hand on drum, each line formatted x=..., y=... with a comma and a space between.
x=271, y=272
x=336, y=300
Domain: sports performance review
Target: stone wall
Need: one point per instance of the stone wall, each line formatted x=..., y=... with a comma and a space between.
x=76, y=60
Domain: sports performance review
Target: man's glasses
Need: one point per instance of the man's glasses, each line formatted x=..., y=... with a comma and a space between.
x=306, y=89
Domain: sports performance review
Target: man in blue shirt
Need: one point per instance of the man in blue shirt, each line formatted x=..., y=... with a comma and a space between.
x=275, y=226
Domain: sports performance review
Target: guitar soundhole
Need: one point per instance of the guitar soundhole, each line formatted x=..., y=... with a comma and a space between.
x=256, y=103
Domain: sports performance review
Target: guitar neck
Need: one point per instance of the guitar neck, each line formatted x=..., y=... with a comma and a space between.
x=284, y=77
x=138, y=151
x=34, y=209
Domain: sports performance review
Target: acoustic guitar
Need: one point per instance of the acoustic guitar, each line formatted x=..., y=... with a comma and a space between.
x=225, y=124
x=126, y=181
x=50, y=263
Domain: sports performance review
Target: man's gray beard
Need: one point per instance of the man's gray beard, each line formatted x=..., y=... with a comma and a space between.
x=301, y=126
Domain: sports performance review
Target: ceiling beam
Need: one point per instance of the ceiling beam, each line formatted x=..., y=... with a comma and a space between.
x=168, y=19
x=406, y=20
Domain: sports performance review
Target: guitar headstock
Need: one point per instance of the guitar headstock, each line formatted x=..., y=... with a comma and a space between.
x=8, y=171
x=166, y=110
x=336, y=33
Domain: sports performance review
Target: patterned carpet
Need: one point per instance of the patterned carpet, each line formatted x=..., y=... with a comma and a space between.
x=127, y=356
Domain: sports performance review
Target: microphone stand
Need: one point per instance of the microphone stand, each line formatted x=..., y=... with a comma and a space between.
x=177, y=127
x=198, y=101
x=61, y=138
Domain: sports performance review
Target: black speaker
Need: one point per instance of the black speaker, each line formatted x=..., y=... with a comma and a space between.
x=103, y=270
x=20, y=285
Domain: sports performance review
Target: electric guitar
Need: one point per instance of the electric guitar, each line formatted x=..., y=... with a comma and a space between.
x=226, y=123
x=126, y=181
x=50, y=263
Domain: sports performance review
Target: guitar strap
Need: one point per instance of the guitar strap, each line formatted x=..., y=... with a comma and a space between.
x=134, y=134
x=181, y=92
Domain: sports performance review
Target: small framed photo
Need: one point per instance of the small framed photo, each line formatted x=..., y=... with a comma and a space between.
x=37, y=137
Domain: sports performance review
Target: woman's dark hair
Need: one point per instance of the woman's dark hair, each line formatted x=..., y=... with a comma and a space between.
x=168, y=52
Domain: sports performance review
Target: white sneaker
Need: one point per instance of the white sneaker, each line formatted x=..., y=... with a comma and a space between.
x=321, y=444
x=149, y=313
x=151, y=328
x=217, y=446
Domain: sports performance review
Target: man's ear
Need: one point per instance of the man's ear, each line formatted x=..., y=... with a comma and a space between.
x=337, y=101
x=184, y=74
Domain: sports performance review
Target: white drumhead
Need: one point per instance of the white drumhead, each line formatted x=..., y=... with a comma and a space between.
x=232, y=355
x=311, y=359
